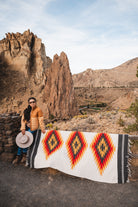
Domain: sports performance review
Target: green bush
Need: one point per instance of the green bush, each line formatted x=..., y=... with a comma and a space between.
x=137, y=72
x=121, y=122
x=51, y=116
x=131, y=128
x=133, y=110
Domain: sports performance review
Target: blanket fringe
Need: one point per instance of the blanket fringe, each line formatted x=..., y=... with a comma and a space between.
x=130, y=143
x=129, y=158
x=129, y=169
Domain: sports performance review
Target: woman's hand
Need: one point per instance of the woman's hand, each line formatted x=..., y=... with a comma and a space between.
x=23, y=131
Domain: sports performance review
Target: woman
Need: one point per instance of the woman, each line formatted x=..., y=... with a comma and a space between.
x=31, y=120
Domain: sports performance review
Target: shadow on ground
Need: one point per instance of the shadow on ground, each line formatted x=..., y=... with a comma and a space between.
x=24, y=187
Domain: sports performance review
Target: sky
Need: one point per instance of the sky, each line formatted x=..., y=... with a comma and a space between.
x=96, y=34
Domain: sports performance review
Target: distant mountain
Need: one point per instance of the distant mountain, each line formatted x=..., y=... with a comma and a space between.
x=123, y=75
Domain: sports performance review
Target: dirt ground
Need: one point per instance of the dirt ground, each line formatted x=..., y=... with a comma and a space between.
x=25, y=187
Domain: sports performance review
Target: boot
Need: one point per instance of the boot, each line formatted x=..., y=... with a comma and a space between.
x=16, y=160
x=23, y=160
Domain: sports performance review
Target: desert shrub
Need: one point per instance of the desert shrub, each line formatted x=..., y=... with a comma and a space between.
x=55, y=128
x=50, y=125
x=51, y=116
x=121, y=122
x=90, y=120
x=133, y=110
x=137, y=72
x=80, y=117
x=131, y=128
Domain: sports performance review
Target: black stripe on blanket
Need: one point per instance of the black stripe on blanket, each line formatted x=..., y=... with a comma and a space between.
x=33, y=148
x=122, y=158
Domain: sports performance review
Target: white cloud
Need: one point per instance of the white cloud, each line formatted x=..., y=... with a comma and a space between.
x=127, y=5
x=102, y=56
x=103, y=35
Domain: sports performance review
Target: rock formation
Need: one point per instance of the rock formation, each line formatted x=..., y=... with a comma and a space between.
x=25, y=53
x=23, y=63
x=25, y=71
x=117, y=87
x=59, y=91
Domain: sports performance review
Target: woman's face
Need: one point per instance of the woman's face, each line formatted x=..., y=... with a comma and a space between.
x=32, y=103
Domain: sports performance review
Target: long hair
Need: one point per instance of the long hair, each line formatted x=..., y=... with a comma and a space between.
x=27, y=113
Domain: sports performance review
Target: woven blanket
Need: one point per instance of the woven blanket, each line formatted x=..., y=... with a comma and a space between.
x=96, y=156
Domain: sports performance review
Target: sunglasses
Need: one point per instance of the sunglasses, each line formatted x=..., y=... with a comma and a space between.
x=31, y=102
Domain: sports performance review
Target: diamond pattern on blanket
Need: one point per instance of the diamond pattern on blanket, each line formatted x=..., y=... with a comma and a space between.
x=103, y=149
x=76, y=146
x=52, y=142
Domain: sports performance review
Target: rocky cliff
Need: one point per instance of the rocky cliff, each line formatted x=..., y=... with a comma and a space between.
x=24, y=53
x=26, y=71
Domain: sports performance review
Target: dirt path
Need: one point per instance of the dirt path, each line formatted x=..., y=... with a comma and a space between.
x=24, y=187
